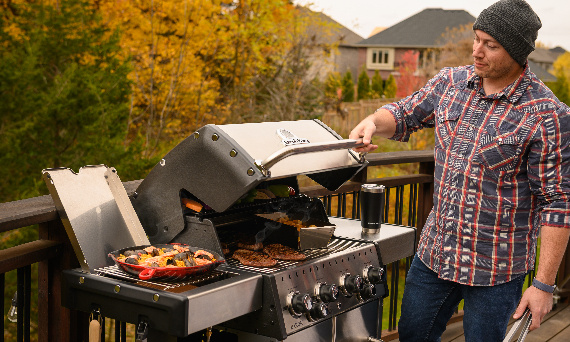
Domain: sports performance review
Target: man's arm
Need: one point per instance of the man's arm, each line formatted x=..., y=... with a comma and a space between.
x=553, y=242
x=379, y=123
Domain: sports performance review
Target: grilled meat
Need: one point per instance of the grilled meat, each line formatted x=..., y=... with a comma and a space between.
x=250, y=246
x=252, y=258
x=281, y=252
x=246, y=241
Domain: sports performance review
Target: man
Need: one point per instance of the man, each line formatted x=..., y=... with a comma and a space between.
x=502, y=173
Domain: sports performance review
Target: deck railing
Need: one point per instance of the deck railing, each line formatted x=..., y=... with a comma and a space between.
x=409, y=200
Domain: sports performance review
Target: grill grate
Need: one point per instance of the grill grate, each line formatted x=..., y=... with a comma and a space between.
x=193, y=282
x=335, y=245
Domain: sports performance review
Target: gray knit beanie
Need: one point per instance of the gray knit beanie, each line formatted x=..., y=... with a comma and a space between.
x=513, y=24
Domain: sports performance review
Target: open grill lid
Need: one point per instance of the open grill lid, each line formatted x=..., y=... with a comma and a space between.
x=218, y=164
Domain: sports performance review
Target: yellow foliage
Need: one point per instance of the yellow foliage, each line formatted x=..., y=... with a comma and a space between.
x=562, y=65
x=14, y=31
x=195, y=61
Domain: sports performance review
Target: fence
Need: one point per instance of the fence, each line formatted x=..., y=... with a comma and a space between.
x=349, y=114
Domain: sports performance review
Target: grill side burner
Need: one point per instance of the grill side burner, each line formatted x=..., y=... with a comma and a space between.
x=177, y=309
x=175, y=287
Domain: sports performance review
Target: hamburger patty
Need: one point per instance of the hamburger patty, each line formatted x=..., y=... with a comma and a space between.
x=251, y=246
x=248, y=242
x=252, y=258
x=282, y=252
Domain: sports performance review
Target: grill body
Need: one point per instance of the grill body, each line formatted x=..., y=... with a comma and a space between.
x=217, y=166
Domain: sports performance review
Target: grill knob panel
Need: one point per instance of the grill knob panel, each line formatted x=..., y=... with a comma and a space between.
x=319, y=311
x=327, y=293
x=299, y=303
x=373, y=274
x=368, y=292
x=352, y=284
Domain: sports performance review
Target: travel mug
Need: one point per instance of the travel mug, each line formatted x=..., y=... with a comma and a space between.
x=371, y=207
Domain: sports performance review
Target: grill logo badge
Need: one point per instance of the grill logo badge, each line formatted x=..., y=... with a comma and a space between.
x=288, y=138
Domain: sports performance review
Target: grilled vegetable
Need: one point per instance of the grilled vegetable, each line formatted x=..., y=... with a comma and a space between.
x=175, y=256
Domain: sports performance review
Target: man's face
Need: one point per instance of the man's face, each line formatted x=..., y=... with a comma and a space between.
x=491, y=60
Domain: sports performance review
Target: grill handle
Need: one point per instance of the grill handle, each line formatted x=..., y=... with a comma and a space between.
x=288, y=151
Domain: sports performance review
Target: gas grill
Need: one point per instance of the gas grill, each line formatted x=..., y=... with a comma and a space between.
x=334, y=294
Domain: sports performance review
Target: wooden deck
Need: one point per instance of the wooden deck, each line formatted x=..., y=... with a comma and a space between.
x=554, y=328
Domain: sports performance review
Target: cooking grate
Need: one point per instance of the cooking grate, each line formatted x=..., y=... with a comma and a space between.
x=335, y=245
x=171, y=286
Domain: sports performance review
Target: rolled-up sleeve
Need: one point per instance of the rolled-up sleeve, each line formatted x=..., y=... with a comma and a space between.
x=549, y=169
x=417, y=110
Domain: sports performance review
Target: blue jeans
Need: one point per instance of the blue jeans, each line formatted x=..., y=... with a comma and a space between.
x=429, y=303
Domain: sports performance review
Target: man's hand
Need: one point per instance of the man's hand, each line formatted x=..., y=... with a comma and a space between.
x=364, y=130
x=539, y=303
x=381, y=123
x=553, y=242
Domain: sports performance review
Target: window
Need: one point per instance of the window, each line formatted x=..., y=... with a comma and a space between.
x=380, y=59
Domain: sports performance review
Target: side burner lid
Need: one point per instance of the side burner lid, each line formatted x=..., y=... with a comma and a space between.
x=96, y=212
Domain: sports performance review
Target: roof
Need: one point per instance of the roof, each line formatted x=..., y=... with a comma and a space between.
x=539, y=71
x=339, y=34
x=558, y=49
x=343, y=35
x=422, y=30
x=541, y=55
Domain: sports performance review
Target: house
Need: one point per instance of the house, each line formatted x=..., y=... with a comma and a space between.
x=420, y=33
x=423, y=33
x=342, y=59
x=541, y=60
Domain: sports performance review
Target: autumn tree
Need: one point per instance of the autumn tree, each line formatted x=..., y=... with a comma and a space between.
x=561, y=87
x=456, y=49
x=390, y=88
x=201, y=61
x=377, y=86
x=363, y=86
x=347, y=85
x=409, y=80
x=289, y=88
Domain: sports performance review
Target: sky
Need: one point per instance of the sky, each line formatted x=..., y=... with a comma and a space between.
x=362, y=16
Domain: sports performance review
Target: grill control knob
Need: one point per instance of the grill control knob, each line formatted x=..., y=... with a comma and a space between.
x=373, y=274
x=299, y=303
x=368, y=292
x=351, y=284
x=319, y=311
x=327, y=293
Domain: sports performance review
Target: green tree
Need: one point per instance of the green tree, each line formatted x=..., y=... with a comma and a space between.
x=562, y=71
x=390, y=88
x=64, y=94
x=561, y=88
x=347, y=87
x=333, y=84
x=363, y=86
x=377, y=86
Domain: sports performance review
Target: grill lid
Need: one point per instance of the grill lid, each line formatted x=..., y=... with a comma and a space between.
x=219, y=164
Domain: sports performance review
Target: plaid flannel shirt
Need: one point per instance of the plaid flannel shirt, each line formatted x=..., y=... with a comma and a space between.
x=502, y=169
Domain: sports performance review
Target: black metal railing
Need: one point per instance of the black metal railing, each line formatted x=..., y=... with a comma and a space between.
x=347, y=204
x=408, y=201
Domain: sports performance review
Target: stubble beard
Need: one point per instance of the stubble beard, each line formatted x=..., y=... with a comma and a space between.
x=494, y=72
